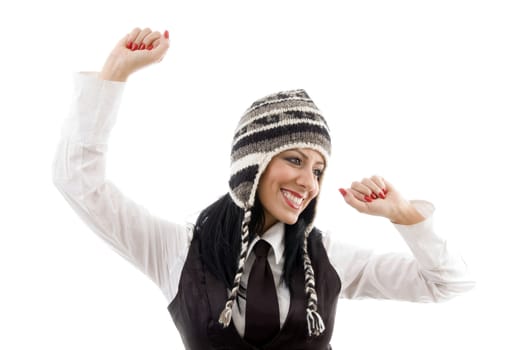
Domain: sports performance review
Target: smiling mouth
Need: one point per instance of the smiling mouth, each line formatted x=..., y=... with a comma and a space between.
x=292, y=200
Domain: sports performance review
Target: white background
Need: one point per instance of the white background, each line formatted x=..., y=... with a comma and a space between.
x=428, y=94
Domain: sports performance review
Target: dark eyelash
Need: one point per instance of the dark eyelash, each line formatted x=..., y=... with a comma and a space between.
x=294, y=160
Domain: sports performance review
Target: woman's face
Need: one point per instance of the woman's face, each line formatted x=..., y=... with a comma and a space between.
x=289, y=183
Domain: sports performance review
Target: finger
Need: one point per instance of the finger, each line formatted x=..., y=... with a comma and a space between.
x=379, y=181
x=132, y=36
x=389, y=187
x=375, y=189
x=124, y=41
x=140, y=37
x=360, y=196
x=362, y=189
x=355, y=200
x=160, y=46
x=150, y=39
x=371, y=185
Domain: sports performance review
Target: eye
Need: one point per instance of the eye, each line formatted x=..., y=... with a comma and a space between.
x=294, y=160
x=318, y=172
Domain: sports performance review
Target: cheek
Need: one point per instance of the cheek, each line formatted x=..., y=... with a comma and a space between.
x=316, y=191
x=279, y=176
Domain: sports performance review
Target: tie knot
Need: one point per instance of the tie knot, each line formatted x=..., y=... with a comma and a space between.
x=261, y=248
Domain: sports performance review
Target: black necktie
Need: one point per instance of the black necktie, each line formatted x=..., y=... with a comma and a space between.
x=262, y=310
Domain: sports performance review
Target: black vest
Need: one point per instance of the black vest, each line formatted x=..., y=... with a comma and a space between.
x=201, y=298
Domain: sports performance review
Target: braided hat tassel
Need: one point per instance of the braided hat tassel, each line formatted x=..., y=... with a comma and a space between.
x=226, y=314
x=315, y=323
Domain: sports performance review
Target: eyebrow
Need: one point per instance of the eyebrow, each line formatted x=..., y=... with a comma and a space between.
x=306, y=156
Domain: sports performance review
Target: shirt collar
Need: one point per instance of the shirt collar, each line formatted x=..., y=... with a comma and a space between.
x=275, y=236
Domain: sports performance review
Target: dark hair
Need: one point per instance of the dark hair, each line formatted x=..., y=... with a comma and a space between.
x=218, y=230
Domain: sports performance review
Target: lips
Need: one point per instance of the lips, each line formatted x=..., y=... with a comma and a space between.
x=293, y=199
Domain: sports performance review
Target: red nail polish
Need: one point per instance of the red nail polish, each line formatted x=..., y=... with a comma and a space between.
x=342, y=191
x=129, y=45
x=134, y=47
x=166, y=34
x=142, y=46
x=384, y=191
x=367, y=198
x=149, y=47
x=374, y=196
x=381, y=195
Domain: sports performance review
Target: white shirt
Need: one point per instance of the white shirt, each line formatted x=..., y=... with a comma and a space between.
x=159, y=247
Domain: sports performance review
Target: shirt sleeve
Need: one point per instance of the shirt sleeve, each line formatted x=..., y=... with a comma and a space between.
x=155, y=246
x=432, y=273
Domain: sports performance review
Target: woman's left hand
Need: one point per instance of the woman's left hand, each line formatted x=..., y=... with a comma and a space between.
x=376, y=196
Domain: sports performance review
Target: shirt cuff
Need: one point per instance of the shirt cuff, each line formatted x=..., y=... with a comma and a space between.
x=93, y=112
x=427, y=247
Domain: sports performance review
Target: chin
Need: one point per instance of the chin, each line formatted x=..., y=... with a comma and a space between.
x=290, y=220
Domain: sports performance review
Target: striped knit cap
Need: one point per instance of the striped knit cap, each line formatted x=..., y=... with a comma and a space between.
x=273, y=124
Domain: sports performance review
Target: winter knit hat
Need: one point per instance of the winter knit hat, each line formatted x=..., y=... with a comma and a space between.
x=273, y=124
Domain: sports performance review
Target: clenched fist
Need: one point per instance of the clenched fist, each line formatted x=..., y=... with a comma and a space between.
x=376, y=196
x=137, y=49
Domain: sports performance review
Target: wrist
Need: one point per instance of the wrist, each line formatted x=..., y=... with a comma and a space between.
x=112, y=70
x=406, y=215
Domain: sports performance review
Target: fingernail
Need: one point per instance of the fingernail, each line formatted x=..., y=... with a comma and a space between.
x=342, y=191
x=166, y=34
x=367, y=198
x=134, y=47
x=384, y=191
x=381, y=195
x=129, y=45
x=149, y=47
x=142, y=46
x=374, y=196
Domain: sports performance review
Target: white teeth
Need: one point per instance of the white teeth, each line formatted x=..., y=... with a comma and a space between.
x=297, y=201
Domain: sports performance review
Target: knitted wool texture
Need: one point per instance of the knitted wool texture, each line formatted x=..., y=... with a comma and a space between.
x=273, y=124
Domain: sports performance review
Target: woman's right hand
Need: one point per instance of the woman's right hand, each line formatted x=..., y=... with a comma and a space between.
x=137, y=49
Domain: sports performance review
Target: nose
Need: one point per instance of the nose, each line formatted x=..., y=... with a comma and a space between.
x=307, y=180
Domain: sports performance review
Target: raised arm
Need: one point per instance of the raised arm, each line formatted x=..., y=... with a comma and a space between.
x=434, y=272
x=151, y=244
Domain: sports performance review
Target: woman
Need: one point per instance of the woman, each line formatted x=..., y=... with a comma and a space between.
x=252, y=272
